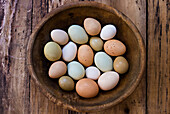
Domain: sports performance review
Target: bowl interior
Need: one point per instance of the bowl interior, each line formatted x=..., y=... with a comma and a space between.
x=76, y=15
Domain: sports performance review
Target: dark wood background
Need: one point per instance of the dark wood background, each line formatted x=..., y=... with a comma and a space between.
x=19, y=94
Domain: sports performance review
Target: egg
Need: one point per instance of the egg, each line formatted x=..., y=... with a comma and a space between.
x=57, y=69
x=108, y=80
x=120, y=65
x=96, y=43
x=103, y=61
x=85, y=55
x=69, y=52
x=92, y=26
x=77, y=34
x=59, y=36
x=92, y=73
x=114, y=47
x=52, y=51
x=76, y=70
x=66, y=83
x=87, y=88
x=108, y=32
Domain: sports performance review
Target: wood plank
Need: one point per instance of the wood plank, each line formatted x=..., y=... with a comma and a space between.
x=158, y=68
x=136, y=11
x=14, y=78
x=38, y=102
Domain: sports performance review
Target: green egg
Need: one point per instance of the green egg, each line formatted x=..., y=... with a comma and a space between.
x=103, y=61
x=96, y=43
x=76, y=70
x=66, y=83
x=78, y=34
x=52, y=51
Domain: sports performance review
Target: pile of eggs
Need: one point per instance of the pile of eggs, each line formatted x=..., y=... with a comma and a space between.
x=79, y=54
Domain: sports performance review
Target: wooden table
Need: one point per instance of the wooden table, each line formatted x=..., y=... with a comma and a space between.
x=19, y=94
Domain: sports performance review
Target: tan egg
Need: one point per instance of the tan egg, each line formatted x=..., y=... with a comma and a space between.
x=114, y=47
x=96, y=43
x=87, y=88
x=57, y=69
x=120, y=65
x=85, y=55
x=92, y=26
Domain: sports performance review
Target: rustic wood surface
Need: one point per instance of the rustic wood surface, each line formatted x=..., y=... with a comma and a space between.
x=19, y=94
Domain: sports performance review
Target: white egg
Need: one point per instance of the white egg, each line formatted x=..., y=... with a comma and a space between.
x=59, y=36
x=69, y=52
x=92, y=73
x=108, y=32
x=108, y=80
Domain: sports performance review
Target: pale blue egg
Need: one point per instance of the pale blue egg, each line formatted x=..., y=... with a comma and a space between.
x=76, y=70
x=103, y=61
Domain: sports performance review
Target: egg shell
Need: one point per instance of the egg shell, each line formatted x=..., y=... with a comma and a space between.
x=59, y=36
x=85, y=55
x=52, y=51
x=76, y=70
x=114, y=47
x=92, y=26
x=120, y=65
x=103, y=61
x=87, y=88
x=57, y=69
x=66, y=83
x=96, y=43
x=92, y=73
x=69, y=52
x=77, y=34
x=108, y=80
x=108, y=32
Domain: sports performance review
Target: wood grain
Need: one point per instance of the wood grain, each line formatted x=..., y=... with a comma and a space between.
x=158, y=68
x=19, y=94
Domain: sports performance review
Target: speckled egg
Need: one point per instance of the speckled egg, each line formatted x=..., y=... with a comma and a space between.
x=108, y=32
x=85, y=55
x=96, y=43
x=66, y=83
x=87, y=88
x=92, y=26
x=76, y=70
x=52, y=51
x=120, y=65
x=57, y=69
x=103, y=61
x=59, y=36
x=92, y=72
x=77, y=34
x=108, y=80
x=114, y=47
x=69, y=52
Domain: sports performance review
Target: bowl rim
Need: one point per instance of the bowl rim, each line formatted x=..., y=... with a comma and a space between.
x=45, y=90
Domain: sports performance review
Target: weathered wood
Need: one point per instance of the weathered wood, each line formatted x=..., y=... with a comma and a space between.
x=16, y=27
x=136, y=11
x=158, y=68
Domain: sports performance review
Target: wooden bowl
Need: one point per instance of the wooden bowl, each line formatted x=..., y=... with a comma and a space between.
x=75, y=13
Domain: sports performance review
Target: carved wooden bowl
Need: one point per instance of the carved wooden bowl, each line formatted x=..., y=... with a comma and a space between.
x=75, y=13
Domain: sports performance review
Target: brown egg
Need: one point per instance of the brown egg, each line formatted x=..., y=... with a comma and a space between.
x=85, y=55
x=87, y=88
x=92, y=26
x=57, y=69
x=120, y=65
x=114, y=47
